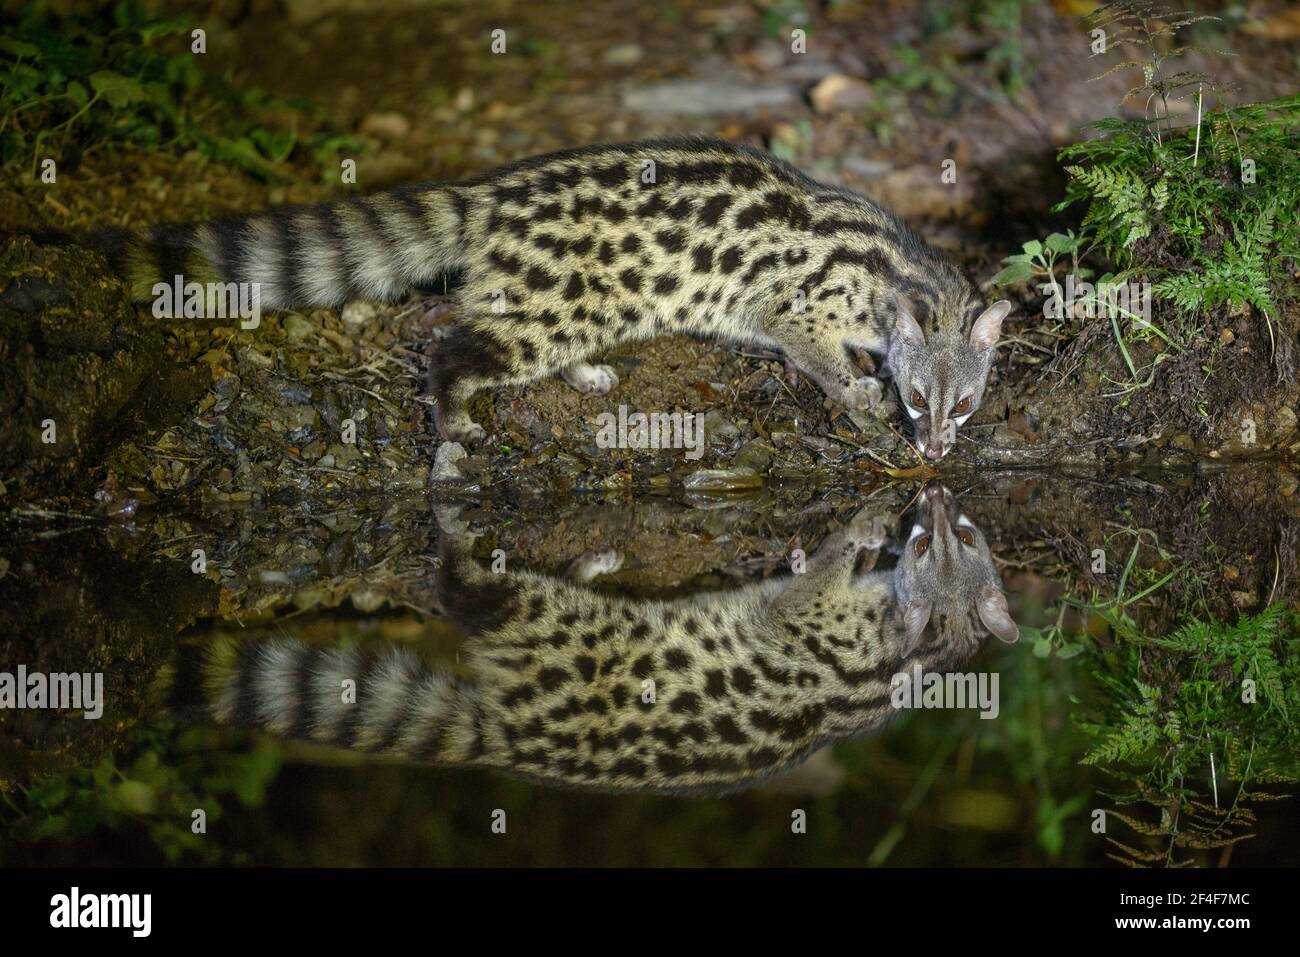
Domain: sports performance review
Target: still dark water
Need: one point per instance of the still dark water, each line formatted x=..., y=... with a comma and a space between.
x=804, y=675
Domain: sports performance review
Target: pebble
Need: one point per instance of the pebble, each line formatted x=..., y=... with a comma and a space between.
x=706, y=98
x=297, y=328
x=445, y=467
x=839, y=92
x=385, y=126
x=623, y=55
x=723, y=480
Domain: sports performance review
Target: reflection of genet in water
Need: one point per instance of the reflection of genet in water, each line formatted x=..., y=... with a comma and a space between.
x=573, y=686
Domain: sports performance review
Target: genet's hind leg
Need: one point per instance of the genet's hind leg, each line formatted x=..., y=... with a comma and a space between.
x=593, y=380
x=463, y=361
x=472, y=596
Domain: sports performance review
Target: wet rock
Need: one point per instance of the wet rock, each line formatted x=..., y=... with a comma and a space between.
x=296, y=417
x=754, y=456
x=367, y=600
x=1284, y=422
x=32, y=294
x=718, y=429
x=445, y=462
x=298, y=329
x=227, y=387
x=341, y=455
x=82, y=372
x=723, y=480
x=863, y=421
x=294, y=392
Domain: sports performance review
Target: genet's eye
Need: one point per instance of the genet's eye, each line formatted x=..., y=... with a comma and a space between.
x=918, y=400
x=966, y=537
x=962, y=407
x=922, y=544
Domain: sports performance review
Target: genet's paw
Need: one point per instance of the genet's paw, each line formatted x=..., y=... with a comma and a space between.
x=466, y=432
x=591, y=565
x=862, y=395
x=867, y=530
x=589, y=379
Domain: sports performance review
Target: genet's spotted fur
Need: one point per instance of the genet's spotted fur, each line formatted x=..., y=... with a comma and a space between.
x=567, y=255
x=577, y=687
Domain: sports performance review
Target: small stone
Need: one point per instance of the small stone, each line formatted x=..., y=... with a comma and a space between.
x=296, y=417
x=341, y=455
x=723, y=480
x=705, y=98
x=1284, y=421
x=719, y=429
x=357, y=315
x=367, y=600
x=623, y=55
x=838, y=92
x=227, y=387
x=297, y=328
x=755, y=455
x=445, y=467
x=385, y=126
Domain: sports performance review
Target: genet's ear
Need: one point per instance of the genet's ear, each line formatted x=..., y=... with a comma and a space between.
x=992, y=608
x=905, y=323
x=984, y=334
x=915, y=618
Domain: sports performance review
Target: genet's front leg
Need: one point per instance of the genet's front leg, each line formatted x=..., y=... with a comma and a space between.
x=590, y=379
x=838, y=557
x=826, y=361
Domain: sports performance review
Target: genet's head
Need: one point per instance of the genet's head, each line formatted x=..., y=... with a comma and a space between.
x=946, y=577
x=941, y=375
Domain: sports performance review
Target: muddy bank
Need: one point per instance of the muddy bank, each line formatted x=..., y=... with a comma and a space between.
x=329, y=405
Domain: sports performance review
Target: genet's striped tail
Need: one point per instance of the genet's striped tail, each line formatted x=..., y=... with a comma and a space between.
x=390, y=703
x=374, y=247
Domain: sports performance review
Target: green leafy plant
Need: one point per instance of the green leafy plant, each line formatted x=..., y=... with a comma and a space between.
x=149, y=792
x=120, y=76
x=1200, y=219
x=1195, y=725
x=1204, y=212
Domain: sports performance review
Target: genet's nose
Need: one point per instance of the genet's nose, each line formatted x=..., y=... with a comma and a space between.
x=933, y=452
x=934, y=490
